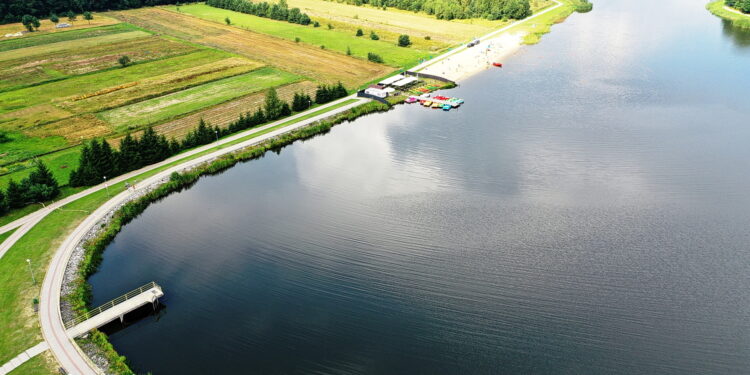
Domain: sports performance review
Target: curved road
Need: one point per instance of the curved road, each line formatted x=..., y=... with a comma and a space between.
x=62, y=347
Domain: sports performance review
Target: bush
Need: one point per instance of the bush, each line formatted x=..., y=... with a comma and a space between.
x=124, y=60
x=427, y=37
x=316, y=24
x=374, y=57
x=53, y=18
x=403, y=41
x=583, y=6
x=374, y=36
x=360, y=32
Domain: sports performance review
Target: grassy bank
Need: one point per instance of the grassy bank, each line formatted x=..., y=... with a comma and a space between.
x=19, y=326
x=718, y=8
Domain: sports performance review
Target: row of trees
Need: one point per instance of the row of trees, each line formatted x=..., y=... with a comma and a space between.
x=741, y=5
x=40, y=186
x=279, y=11
x=14, y=10
x=32, y=22
x=99, y=160
x=458, y=9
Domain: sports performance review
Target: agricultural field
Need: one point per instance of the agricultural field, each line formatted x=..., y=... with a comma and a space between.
x=335, y=39
x=391, y=23
x=166, y=107
x=47, y=27
x=223, y=114
x=321, y=65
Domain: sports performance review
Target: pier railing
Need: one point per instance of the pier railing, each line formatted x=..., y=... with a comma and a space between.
x=106, y=306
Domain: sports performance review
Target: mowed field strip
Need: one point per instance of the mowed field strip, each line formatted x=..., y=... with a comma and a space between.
x=189, y=100
x=336, y=40
x=70, y=44
x=223, y=114
x=319, y=64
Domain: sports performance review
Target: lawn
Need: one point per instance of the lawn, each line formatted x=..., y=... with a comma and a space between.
x=186, y=101
x=60, y=163
x=339, y=41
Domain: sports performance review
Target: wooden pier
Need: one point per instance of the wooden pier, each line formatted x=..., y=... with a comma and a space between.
x=116, y=308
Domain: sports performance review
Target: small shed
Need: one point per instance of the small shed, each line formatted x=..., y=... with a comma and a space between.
x=376, y=92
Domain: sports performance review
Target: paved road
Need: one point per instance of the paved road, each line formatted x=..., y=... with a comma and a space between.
x=61, y=345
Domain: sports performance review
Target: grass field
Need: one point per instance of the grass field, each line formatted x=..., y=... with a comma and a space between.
x=32, y=70
x=186, y=101
x=308, y=61
x=223, y=114
x=31, y=106
x=47, y=27
x=37, y=39
x=392, y=21
x=718, y=8
x=334, y=39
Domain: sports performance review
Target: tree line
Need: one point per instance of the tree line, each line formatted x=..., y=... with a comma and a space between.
x=458, y=9
x=40, y=186
x=14, y=10
x=741, y=5
x=99, y=160
x=279, y=11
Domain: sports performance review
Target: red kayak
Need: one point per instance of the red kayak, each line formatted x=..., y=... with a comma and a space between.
x=497, y=64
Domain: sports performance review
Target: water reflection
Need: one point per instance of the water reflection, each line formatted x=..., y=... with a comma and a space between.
x=740, y=36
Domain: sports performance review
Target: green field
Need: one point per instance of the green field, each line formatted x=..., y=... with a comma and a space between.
x=318, y=36
x=718, y=8
x=43, y=94
x=186, y=101
x=42, y=39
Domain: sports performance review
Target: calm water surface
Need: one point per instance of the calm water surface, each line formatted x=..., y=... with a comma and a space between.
x=586, y=212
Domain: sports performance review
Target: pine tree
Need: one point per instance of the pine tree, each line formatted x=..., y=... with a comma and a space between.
x=41, y=175
x=3, y=203
x=14, y=195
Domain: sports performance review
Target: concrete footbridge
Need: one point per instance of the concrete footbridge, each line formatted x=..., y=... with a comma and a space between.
x=116, y=308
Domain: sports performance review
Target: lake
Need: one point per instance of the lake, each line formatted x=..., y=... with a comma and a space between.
x=585, y=212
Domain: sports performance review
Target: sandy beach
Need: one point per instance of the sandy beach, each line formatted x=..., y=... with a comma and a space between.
x=472, y=60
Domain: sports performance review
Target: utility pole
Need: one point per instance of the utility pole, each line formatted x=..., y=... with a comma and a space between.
x=105, y=185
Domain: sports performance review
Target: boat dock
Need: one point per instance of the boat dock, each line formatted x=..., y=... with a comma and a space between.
x=116, y=308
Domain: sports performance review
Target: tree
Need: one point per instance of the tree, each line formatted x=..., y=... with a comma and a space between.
x=88, y=17
x=124, y=60
x=228, y=21
x=42, y=184
x=273, y=105
x=53, y=18
x=30, y=22
x=348, y=51
x=14, y=195
x=71, y=16
x=374, y=36
x=374, y=57
x=316, y=24
x=360, y=32
x=3, y=203
x=403, y=41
